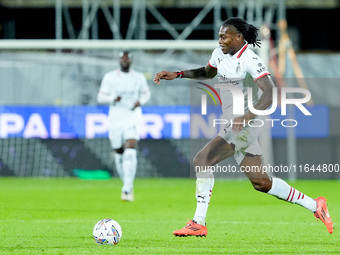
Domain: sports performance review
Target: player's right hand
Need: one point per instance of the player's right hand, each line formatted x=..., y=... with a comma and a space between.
x=164, y=75
x=117, y=99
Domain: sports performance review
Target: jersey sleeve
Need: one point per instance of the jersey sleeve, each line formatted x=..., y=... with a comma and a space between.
x=144, y=92
x=105, y=94
x=213, y=59
x=255, y=67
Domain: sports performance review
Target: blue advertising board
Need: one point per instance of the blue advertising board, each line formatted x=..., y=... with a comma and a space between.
x=68, y=122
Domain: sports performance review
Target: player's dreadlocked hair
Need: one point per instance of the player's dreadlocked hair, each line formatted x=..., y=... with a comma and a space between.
x=249, y=31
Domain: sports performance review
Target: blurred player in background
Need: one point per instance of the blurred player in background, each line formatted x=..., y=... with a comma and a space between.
x=125, y=90
x=231, y=62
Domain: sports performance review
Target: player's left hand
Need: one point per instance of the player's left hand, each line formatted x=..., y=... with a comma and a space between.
x=137, y=104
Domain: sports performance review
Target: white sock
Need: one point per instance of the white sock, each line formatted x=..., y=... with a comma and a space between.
x=204, y=186
x=129, y=167
x=119, y=165
x=284, y=191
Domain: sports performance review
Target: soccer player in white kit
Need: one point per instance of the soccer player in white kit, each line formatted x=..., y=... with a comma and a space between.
x=231, y=61
x=125, y=90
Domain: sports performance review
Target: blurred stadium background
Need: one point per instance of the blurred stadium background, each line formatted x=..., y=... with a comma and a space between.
x=54, y=53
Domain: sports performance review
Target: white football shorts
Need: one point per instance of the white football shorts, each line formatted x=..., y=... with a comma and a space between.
x=118, y=137
x=246, y=141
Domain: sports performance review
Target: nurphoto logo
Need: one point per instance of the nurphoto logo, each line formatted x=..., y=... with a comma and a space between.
x=238, y=104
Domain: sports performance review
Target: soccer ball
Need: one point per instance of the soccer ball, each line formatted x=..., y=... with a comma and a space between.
x=107, y=231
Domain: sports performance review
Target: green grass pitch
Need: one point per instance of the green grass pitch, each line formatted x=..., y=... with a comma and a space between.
x=56, y=216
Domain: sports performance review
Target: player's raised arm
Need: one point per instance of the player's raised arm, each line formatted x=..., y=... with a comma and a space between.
x=206, y=72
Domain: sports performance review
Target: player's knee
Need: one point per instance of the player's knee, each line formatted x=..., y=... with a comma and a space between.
x=203, y=159
x=200, y=160
x=261, y=184
x=131, y=143
x=197, y=160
